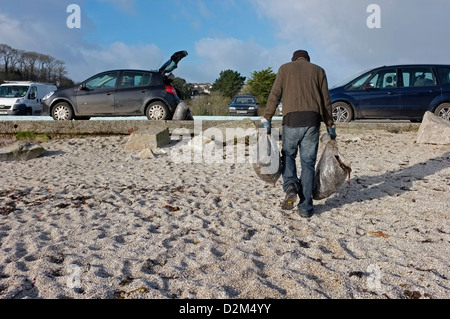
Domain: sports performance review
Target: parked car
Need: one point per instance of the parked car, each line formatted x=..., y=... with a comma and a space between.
x=243, y=104
x=400, y=92
x=119, y=93
x=23, y=97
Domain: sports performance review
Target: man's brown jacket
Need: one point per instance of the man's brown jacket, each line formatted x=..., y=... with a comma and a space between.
x=303, y=87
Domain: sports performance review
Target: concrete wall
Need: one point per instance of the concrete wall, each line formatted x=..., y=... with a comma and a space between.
x=126, y=127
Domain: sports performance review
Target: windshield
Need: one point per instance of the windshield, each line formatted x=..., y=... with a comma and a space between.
x=244, y=100
x=12, y=91
x=349, y=79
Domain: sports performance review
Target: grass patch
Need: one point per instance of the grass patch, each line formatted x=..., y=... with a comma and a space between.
x=32, y=136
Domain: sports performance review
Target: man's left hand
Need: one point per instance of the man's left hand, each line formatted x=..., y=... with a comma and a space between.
x=332, y=132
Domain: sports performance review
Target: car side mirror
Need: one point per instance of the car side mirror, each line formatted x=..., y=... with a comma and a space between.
x=31, y=96
x=369, y=86
x=82, y=87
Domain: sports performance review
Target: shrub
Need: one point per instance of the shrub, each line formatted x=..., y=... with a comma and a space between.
x=209, y=105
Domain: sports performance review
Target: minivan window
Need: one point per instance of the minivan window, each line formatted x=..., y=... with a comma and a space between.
x=384, y=79
x=131, y=79
x=444, y=75
x=418, y=76
x=360, y=82
x=11, y=91
x=103, y=81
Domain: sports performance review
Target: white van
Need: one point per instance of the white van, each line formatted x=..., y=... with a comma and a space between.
x=23, y=98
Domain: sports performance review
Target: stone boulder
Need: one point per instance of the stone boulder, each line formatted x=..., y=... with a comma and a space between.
x=434, y=130
x=146, y=154
x=20, y=151
x=150, y=138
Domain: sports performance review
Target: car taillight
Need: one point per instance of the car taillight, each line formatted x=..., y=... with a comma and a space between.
x=171, y=90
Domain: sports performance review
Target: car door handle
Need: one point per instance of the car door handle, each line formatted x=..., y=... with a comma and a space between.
x=392, y=93
x=143, y=91
x=110, y=93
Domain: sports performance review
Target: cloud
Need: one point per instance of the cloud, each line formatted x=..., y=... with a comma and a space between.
x=117, y=56
x=12, y=33
x=340, y=40
x=49, y=34
x=219, y=54
x=334, y=32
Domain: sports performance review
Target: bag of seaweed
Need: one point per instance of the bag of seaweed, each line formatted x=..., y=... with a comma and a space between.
x=267, y=158
x=331, y=171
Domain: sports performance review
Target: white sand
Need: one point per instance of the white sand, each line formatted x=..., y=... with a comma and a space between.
x=89, y=220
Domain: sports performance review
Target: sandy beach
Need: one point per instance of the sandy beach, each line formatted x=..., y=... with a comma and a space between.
x=90, y=220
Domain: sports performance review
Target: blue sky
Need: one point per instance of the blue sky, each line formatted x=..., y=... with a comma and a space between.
x=242, y=35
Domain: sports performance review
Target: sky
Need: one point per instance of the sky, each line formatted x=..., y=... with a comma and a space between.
x=342, y=36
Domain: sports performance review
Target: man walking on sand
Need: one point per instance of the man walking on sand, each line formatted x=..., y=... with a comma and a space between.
x=303, y=87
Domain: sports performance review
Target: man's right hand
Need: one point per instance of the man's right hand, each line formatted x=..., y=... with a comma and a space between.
x=332, y=132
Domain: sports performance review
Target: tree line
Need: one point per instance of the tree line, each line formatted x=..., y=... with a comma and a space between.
x=20, y=65
x=259, y=84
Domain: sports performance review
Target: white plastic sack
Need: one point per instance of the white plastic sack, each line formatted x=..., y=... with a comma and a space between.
x=331, y=171
x=267, y=159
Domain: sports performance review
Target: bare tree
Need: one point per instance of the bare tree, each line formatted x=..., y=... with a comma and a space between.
x=9, y=57
x=31, y=66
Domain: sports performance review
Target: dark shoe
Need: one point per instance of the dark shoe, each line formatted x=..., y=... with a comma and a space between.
x=305, y=215
x=291, y=197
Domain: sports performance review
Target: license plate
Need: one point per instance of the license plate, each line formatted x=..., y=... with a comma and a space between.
x=3, y=112
x=242, y=112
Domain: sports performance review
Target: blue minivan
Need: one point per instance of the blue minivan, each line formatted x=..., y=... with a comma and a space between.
x=399, y=92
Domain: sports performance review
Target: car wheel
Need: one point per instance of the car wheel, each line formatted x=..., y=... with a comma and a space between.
x=443, y=111
x=157, y=111
x=62, y=112
x=342, y=112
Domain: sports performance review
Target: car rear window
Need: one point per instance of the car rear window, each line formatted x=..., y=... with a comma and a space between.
x=444, y=75
x=418, y=76
x=132, y=78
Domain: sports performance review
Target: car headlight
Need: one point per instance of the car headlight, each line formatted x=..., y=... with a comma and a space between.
x=251, y=108
x=20, y=101
x=232, y=108
x=48, y=96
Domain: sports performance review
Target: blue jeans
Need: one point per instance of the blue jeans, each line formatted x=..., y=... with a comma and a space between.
x=307, y=140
